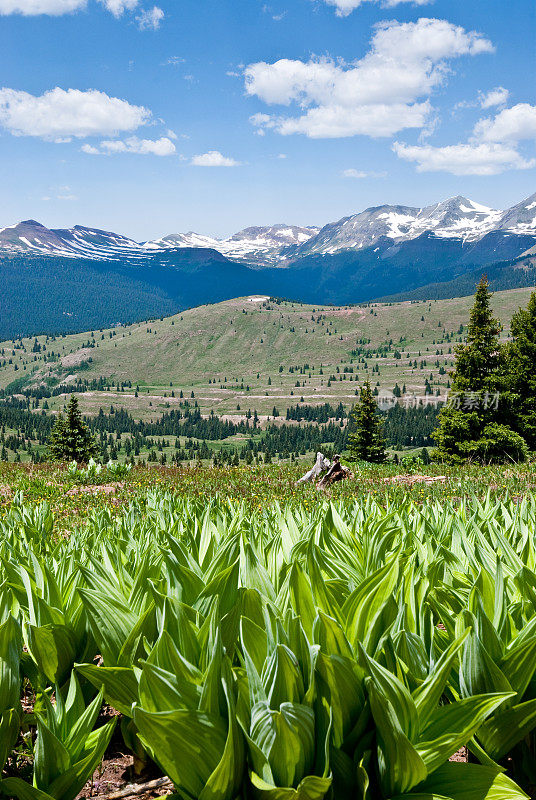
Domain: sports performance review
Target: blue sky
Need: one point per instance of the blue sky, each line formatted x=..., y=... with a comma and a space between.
x=212, y=115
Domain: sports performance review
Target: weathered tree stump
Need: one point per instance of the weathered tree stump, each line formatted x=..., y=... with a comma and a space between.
x=321, y=465
x=335, y=473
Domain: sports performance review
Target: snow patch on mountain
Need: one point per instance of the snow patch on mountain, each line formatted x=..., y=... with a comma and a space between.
x=253, y=245
x=457, y=218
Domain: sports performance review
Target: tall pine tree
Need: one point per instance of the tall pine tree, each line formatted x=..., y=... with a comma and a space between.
x=521, y=372
x=471, y=425
x=71, y=439
x=365, y=438
x=478, y=360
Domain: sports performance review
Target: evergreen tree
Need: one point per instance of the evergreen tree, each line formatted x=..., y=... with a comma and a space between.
x=70, y=439
x=479, y=359
x=365, y=438
x=521, y=372
x=471, y=425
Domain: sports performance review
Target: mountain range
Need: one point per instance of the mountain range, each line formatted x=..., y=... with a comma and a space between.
x=457, y=218
x=261, y=246
x=78, y=278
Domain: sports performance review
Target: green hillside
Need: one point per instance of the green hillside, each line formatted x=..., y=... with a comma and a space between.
x=252, y=353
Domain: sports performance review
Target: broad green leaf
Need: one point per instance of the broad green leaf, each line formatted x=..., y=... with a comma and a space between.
x=451, y=726
x=310, y=788
x=254, y=641
x=111, y=622
x=500, y=733
x=343, y=681
x=287, y=739
x=400, y=765
x=301, y=594
x=10, y=649
x=471, y=782
x=160, y=690
x=9, y=731
x=80, y=732
x=199, y=738
x=68, y=785
x=366, y=603
x=427, y=696
x=330, y=636
x=224, y=783
x=282, y=678
x=16, y=787
x=478, y=672
x=519, y=665
x=120, y=685
x=395, y=693
x=51, y=757
x=53, y=649
x=224, y=586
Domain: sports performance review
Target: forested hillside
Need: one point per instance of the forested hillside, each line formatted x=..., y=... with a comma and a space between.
x=250, y=353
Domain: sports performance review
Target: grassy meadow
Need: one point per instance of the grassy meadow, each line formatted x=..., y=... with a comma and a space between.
x=71, y=499
x=217, y=632
x=248, y=353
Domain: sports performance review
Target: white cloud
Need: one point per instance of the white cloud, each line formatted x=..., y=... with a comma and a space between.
x=154, y=147
x=118, y=7
x=33, y=7
x=495, y=97
x=331, y=122
x=214, y=159
x=345, y=7
x=150, y=20
x=360, y=174
x=173, y=61
x=464, y=159
x=378, y=95
x=90, y=150
x=61, y=113
x=491, y=150
x=61, y=193
x=58, y=7
x=510, y=125
x=277, y=17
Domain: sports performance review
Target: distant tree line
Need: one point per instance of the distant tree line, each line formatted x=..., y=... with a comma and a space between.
x=25, y=423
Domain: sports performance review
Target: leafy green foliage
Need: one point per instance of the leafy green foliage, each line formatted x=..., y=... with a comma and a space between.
x=67, y=749
x=285, y=653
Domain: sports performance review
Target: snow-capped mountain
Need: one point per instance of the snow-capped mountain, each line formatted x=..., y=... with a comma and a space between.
x=457, y=220
x=521, y=218
x=31, y=236
x=255, y=245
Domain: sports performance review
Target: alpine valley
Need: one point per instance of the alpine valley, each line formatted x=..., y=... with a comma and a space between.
x=67, y=280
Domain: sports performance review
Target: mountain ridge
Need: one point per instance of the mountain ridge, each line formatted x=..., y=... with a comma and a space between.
x=72, y=279
x=457, y=218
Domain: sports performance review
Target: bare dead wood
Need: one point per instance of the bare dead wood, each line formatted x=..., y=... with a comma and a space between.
x=320, y=466
x=335, y=473
x=135, y=788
